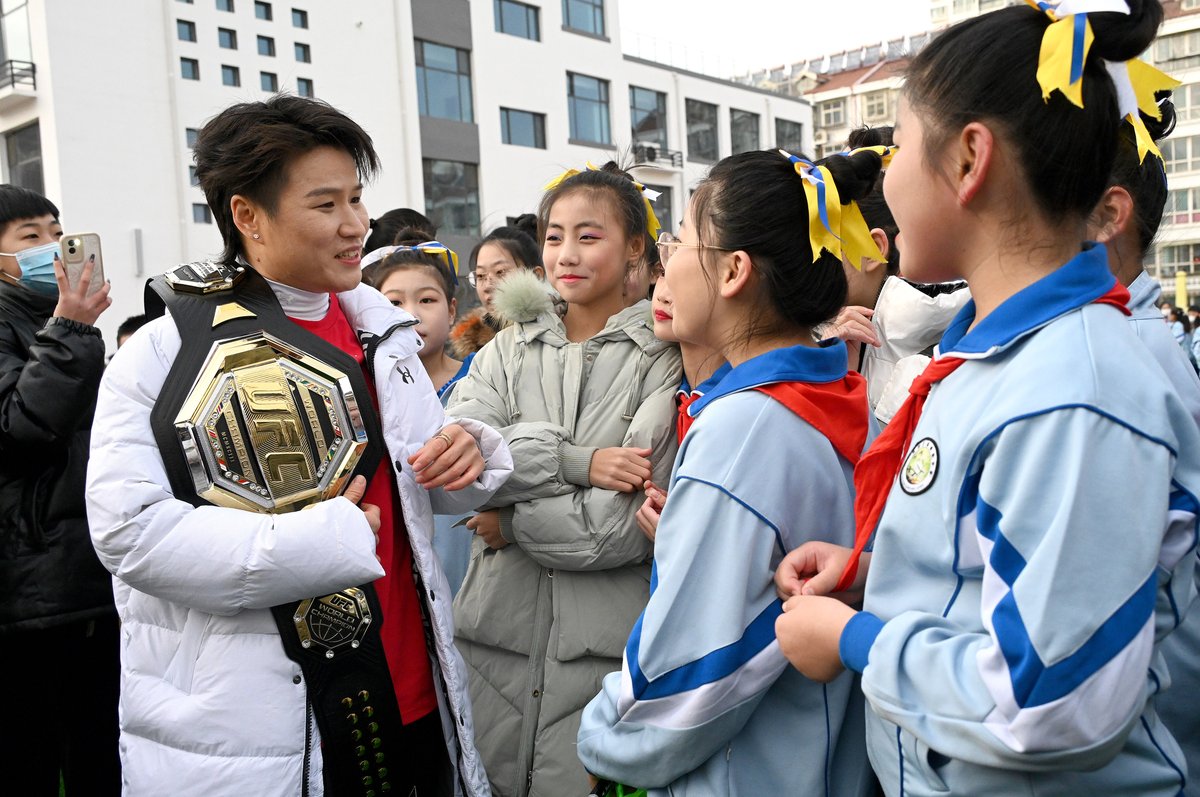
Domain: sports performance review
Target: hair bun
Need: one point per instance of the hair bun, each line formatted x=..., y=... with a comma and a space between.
x=1121, y=37
x=411, y=236
x=1161, y=128
x=854, y=175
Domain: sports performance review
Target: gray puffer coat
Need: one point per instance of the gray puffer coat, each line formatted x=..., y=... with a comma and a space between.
x=543, y=620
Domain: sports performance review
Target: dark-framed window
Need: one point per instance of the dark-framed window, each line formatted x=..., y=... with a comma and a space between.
x=662, y=208
x=24, y=149
x=189, y=68
x=225, y=5
x=517, y=19
x=230, y=75
x=523, y=128
x=743, y=131
x=266, y=46
x=452, y=196
x=263, y=10
x=227, y=38
x=201, y=213
x=192, y=178
x=587, y=102
x=303, y=53
x=190, y=134
x=648, y=116
x=304, y=87
x=268, y=81
x=702, y=131
x=444, y=82
x=299, y=18
x=789, y=136
x=186, y=31
x=585, y=16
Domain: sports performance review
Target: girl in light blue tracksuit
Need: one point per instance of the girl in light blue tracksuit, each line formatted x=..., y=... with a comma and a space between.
x=705, y=704
x=1037, y=542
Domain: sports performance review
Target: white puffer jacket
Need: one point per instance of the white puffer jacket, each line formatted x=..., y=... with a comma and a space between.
x=209, y=702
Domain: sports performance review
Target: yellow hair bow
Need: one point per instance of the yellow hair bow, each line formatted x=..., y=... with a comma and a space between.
x=832, y=226
x=1137, y=83
x=653, y=227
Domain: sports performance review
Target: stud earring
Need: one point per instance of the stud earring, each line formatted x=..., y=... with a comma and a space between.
x=255, y=236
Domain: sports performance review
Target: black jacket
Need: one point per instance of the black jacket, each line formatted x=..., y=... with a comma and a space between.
x=49, y=377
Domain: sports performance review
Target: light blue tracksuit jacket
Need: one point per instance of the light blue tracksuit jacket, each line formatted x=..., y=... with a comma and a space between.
x=1020, y=585
x=706, y=704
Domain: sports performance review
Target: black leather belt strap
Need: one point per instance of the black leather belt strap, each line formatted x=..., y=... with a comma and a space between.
x=351, y=692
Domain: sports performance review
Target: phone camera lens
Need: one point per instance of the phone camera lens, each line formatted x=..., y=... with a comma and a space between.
x=71, y=250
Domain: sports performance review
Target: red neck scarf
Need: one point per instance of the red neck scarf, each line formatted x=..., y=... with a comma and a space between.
x=838, y=410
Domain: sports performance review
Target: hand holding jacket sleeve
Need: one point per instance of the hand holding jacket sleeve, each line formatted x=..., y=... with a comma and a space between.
x=210, y=558
x=44, y=396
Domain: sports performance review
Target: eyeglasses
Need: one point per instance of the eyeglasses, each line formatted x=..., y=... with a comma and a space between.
x=476, y=279
x=668, y=244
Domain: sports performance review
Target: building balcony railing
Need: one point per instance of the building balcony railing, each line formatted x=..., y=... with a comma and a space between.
x=18, y=82
x=652, y=154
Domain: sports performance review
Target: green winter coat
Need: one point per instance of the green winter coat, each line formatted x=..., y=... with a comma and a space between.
x=543, y=620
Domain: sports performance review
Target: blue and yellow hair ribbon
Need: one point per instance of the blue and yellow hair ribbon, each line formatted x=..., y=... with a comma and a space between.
x=833, y=227
x=439, y=250
x=653, y=227
x=885, y=153
x=1137, y=83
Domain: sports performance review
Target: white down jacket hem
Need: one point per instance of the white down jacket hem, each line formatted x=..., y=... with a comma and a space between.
x=209, y=702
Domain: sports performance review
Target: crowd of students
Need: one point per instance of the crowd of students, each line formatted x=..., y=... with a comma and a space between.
x=880, y=473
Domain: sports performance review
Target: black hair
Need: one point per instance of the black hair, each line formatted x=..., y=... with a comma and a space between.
x=377, y=273
x=131, y=325
x=528, y=224
x=247, y=148
x=386, y=228
x=985, y=69
x=1146, y=181
x=623, y=196
x=520, y=247
x=18, y=203
x=755, y=202
x=873, y=206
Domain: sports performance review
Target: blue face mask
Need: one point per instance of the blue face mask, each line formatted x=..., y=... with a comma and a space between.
x=37, y=267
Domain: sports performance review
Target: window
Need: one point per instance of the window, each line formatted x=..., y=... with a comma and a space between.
x=262, y=10
x=225, y=5
x=1182, y=207
x=702, y=131
x=189, y=68
x=227, y=38
x=517, y=19
x=523, y=128
x=190, y=135
x=192, y=178
x=304, y=87
x=266, y=46
x=662, y=208
x=743, y=131
x=789, y=136
x=1180, y=257
x=201, y=213
x=584, y=16
x=230, y=75
x=875, y=106
x=1190, y=5
x=452, y=196
x=648, y=115
x=1180, y=51
x=1181, y=155
x=833, y=113
x=443, y=82
x=185, y=30
x=303, y=53
x=15, y=41
x=587, y=102
x=299, y=18
x=268, y=81
x=24, y=147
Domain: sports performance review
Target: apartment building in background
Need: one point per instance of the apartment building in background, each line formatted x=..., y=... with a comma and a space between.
x=473, y=107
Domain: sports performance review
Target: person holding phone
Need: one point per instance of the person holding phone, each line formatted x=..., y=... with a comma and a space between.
x=58, y=624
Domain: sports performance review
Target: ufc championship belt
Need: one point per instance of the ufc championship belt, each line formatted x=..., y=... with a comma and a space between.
x=261, y=415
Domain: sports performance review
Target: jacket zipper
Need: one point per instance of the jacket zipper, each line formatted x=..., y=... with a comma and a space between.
x=308, y=718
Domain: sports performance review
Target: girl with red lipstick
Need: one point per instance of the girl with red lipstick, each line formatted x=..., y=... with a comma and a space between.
x=560, y=570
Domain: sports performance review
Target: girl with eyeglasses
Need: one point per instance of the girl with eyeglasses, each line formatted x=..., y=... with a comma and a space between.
x=504, y=251
x=560, y=569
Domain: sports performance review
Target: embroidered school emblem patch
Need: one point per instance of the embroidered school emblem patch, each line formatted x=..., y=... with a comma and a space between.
x=920, y=469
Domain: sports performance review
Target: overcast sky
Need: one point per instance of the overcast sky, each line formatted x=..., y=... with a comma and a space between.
x=729, y=37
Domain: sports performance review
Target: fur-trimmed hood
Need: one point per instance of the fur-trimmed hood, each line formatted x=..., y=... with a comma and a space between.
x=472, y=333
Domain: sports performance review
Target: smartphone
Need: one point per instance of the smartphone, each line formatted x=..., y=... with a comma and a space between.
x=76, y=249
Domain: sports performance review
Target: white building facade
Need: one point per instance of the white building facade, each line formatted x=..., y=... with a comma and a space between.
x=473, y=107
